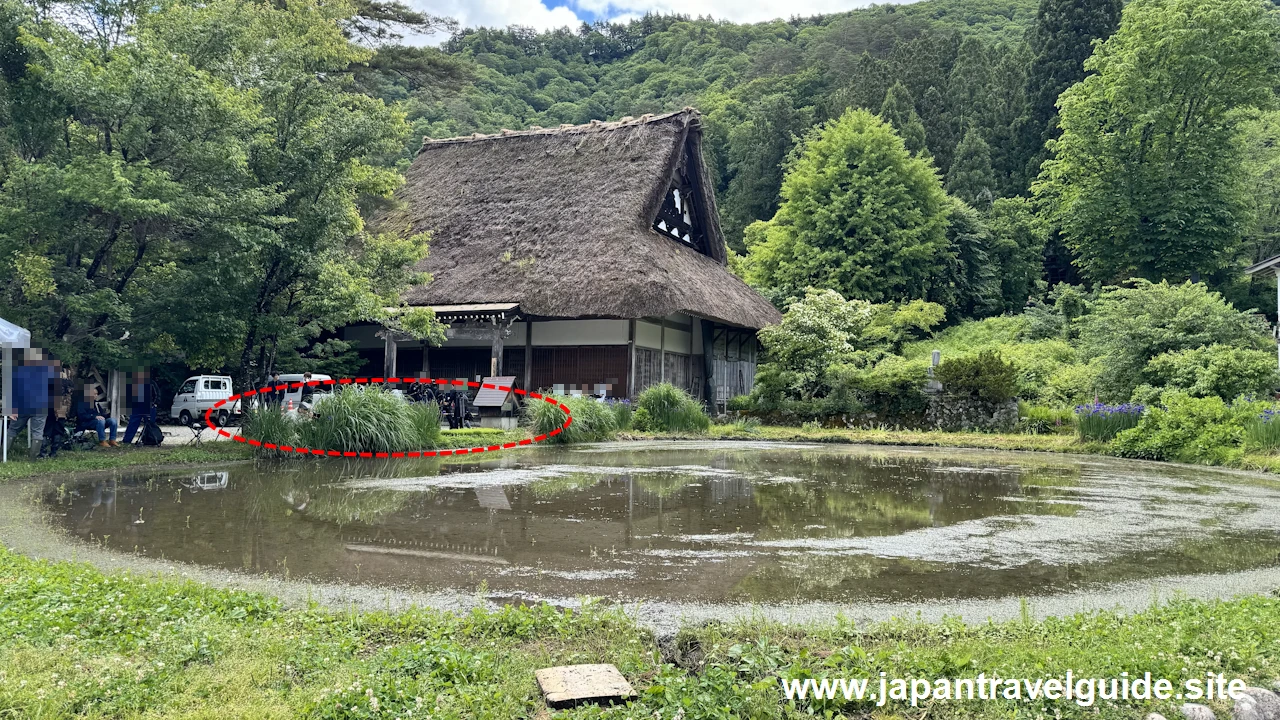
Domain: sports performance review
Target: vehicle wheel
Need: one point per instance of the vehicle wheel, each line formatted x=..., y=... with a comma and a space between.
x=184, y=417
x=223, y=418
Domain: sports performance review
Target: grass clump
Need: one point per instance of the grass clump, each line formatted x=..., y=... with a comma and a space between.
x=369, y=419
x=269, y=425
x=623, y=413
x=1263, y=431
x=666, y=408
x=593, y=421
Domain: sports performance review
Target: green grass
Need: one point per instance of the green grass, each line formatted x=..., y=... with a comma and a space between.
x=110, y=458
x=666, y=408
x=930, y=438
x=75, y=642
x=472, y=432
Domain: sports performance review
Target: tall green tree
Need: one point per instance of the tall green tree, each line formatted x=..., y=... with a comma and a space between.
x=1017, y=250
x=900, y=111
x=202, y=199
x=1008, y=110
x=939, y=127
x=969, y=87
x=970, y=177
x=757, y=151
x=969, y=285
x=1147, y=178
x=859, y=215
x=1061, y=40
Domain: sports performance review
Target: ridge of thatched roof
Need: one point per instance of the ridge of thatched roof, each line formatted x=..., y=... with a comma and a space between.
x=560, y=220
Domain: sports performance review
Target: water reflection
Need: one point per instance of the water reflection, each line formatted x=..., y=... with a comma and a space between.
x=708, y=522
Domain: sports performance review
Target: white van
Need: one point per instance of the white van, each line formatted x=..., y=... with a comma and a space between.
x=198, y=394
x=293, y=397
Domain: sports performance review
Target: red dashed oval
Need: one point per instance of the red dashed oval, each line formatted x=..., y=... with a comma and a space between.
x=208, y=419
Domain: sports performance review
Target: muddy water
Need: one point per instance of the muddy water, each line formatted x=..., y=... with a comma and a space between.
x=692, y=522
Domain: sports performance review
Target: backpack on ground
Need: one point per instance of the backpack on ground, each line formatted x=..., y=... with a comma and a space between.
x=152, y=435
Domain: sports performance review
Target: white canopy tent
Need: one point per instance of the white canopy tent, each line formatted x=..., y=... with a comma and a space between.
x=12, y=337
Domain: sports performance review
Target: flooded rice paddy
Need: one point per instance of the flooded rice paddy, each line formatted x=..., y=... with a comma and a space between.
x=704, y=522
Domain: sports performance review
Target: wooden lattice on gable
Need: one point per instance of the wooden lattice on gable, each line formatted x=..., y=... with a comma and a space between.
x=678, y=217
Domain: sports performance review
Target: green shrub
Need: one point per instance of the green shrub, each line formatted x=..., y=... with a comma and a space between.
x=1099, y=421
x=1187, y=429
x=671, y=409
x=984, y=375
x=1128, y=327
x=739, y=403
x=368, y=419
x=1221, y=370
x=892, y=388
x=593, y=421
x=1072, y=384
x=640, y=420
x=1043, y=419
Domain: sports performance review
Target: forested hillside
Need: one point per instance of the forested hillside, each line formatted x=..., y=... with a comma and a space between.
x=967, y=154
x=757, y=85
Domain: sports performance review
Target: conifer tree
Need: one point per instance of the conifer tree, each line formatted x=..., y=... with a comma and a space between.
x=1061, y=41
x=969, y=87
x=939, y=135
x=900, y=111
x=859, y=215
x=1009, y=108
x=970, y=177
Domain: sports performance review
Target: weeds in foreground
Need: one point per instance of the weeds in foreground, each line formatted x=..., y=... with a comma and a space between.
x=75, y=642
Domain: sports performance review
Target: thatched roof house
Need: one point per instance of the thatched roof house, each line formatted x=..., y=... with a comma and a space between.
x=600, y=222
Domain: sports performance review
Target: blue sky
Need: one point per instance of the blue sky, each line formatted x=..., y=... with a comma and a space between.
x=546, y=14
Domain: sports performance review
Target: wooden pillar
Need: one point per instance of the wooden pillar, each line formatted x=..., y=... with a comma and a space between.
x=631, y=358
x=495, y=351
x=662, y=351
x=115, y=393
x=528, y=355
x=708, y=362
x=389, y=354
x=426, y=359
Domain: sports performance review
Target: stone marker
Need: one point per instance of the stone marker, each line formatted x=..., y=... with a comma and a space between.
x=1192, y=711
x=1268, y=702
x=570, y=685
x=1246, y=708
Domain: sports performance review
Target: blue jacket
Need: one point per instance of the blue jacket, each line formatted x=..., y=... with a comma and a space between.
x=32, y=388
x=86, y=414
x=141, y=395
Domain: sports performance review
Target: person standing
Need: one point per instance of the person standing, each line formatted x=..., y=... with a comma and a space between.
x=141, y=403
x=276, y=396
x=33, y=383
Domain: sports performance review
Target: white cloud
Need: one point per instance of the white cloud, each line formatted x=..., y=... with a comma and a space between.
x=535, y=14
x=743, y=11
x=500, y=13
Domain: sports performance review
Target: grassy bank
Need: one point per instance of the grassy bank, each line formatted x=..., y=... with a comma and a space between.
x=19, y=466
x=1052, y=443
x=77, y=643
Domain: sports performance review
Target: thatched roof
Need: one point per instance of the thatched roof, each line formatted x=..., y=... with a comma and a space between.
x=561, y=222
